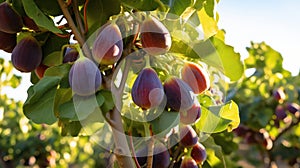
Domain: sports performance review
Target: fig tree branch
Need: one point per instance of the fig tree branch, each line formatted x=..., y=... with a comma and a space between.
x=78, y=18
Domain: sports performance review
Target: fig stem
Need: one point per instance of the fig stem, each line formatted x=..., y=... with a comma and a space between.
x=150, y=152
x=133, y=150
x=79, y=38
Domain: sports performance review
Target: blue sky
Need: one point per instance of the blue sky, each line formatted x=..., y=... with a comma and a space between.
x=277, y=22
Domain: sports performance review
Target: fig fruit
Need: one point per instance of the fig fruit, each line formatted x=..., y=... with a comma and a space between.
x=40, y=70
x=29, y=23
x=8, y=41
x=188, y=136
x=27, y=55
x=279, y=94
x=155, y=37
x=179, y=94
x=196, y=77
x=11, y=21
x=280, y=112
x=198, y=153
x=188, y=162
x=147, y=90
x=293, y=107
x=161, y=157
x=85, y=77
x=108, y=46
x=191, y=115
x=71, y=55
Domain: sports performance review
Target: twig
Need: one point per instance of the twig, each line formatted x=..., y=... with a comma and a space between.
x=150, y=152
x=286, y=130
x=78, y=18
x=176, y=155
x=133, y=150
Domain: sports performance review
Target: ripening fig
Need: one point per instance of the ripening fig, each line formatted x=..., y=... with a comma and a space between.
x=179, y=95
x=108, y=46
x=191, y=115
x=188, y=136
x=280, y=112
x=279, y=94
x=241, y=131
x=8, y=41
x=161, y=157
x=147, y=90
x=40, y=70
x=85, y=77
x=196, y=77
x=10, y=20
x=198, y=153
x=188, y=162
x=27, y=55
x=293, y=107
x=71, y=55
x=155, y=37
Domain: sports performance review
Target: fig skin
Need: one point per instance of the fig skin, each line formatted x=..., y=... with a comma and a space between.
x=196, y=77
x=108, y=46
x=71, y=55
x=161, y=157
x=188, y=162
x=280, y=112
x=10, y=20
x=188, y=136
x=147, y=91
x=27, y=55
x=198, y=153
x=85, y=77
x=155, y=37
x=293, y=107
x=191, y=115
x=8, y=41
x=279, y=94
x=179, y=95
x=40, y=70
x=28, y=22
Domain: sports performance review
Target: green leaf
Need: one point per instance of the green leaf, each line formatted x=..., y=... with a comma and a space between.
x=39, y=17
x=165, y=122
x=109, y=101
x=209, y=6
x=53, y=59
x=177, y=7
x=62, y=71
x=219, y=118
x=79, y=108
x=215, y=157
x=143, y=5
x=209, y=24
x=49, y=7
x=54, y=43
x=39, y=105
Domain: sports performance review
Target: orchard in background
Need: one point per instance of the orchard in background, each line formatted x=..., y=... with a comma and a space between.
x=139, y=80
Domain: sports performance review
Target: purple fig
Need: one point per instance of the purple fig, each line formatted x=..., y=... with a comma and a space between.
x=147, y=90
x=191, y=115
x=71, y=55
x=10, y=20
x=280, y=112
x=279, y=94
x=188, y=162
x=8, y=41
x=188, y=136
x=40, y=70
x=155, y=37
x=180, y=96
x=85, y=77
x=108, y=46
x=27, y=55
x=293, y=107
x=198, y=153
x=196, y=77
x=28, y=22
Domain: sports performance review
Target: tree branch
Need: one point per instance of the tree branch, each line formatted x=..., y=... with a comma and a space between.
x=78, y=18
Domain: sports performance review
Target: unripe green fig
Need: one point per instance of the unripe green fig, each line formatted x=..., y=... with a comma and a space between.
x=196, y=77
x=188, y=162
x=147, y=90
x=10, y=20
x=191, y=115
x=198, y=153
x=7, y=41
x=188, y=136
x=155, y=37
x=85, y=77
x=40, y=70
x=179, y=95
x=108, y=46
x=27, y=55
